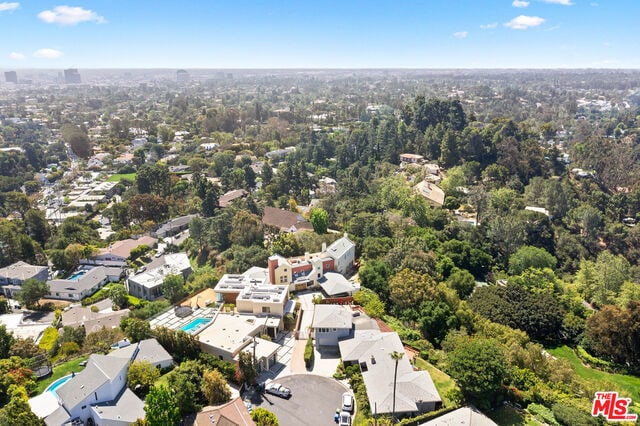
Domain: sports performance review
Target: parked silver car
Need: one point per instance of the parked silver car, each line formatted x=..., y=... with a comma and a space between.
x=278, y=390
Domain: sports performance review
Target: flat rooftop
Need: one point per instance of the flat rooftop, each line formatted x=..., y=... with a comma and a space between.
x=231, y=332
x=265, y=293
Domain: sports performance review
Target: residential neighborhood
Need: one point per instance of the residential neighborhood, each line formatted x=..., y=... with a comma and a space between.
x=303, y=246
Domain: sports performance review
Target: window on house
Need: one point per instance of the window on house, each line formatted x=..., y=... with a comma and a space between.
x=266, y=310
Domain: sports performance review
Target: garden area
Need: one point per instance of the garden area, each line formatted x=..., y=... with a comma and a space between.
x=61, y=370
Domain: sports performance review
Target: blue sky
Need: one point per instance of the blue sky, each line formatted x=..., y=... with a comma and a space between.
x=320, y=34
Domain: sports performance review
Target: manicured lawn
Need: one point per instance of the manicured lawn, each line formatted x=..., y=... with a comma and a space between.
x=61, y=371
x=119, y=177
x=630, y=384
x=444, y=383
x=133, y=300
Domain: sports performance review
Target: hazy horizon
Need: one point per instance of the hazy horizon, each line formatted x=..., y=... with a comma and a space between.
x=415, y=34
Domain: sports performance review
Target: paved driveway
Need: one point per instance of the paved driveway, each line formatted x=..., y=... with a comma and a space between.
x=313, y=401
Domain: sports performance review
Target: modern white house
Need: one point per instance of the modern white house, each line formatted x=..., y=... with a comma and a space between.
x=331, y=323
x=146, y=285
x=229, y=334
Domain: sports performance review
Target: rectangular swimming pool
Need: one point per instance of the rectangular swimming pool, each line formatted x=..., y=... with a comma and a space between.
x=76, y=275
x=195, y=325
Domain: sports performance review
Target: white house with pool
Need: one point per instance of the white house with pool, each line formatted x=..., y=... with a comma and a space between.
x=84, y=282
x=99, y=392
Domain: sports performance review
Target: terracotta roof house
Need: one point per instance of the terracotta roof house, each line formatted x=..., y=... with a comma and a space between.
x=233, y=413
x=120, y=250
x=229, y=197
x=285, y=221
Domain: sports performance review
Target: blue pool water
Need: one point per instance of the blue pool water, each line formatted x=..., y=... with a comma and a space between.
x=55, y=385
x=76, y=275
x=195, y=325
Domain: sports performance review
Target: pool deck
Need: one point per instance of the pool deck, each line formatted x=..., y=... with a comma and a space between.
x=169, y=319
x=200, y=300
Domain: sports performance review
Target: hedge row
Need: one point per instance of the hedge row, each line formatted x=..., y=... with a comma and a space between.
x=308, y=353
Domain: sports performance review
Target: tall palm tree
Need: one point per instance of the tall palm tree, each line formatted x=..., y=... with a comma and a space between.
x=396, y=356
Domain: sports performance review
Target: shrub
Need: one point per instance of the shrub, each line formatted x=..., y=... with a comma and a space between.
x=308, y=353
x=595, y=362
x=95, y=309
x=340, y=373
x=69, y=348
x=49, y=338
x=543, y=414
x=567, y=415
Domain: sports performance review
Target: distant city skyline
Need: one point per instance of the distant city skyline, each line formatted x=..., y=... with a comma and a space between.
x=321, y=34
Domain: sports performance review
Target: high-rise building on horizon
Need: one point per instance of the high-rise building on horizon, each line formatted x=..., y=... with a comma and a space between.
x=72, y=76
x=182, y=76
x=11, y=77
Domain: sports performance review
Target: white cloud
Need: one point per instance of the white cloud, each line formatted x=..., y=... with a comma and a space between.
x=562, y=2
x=69, y=15
x=523, y=22
x=9, y=7
x=16, y=56
x=461, y=34
x=520, y=3
x=48, y=53
x=489, y=26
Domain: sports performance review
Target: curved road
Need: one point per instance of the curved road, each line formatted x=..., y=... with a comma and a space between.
x=313, y=401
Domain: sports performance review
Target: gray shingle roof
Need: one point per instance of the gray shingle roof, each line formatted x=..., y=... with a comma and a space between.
x=335, y=284
x=21, y=270
x=465, y=416
x=339, y=247
x=127, y=408
x=100, y=370
x=145, y=350
x=58, y=417
x=332, y=316
x=372, y=349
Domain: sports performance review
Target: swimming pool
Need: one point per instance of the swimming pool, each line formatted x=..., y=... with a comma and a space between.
x=55, y=385
x=76, y=275
x=195, y=325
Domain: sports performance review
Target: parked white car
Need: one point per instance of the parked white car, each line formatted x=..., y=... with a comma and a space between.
x=347, y=402
x=278, y=390
x=345, y=419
